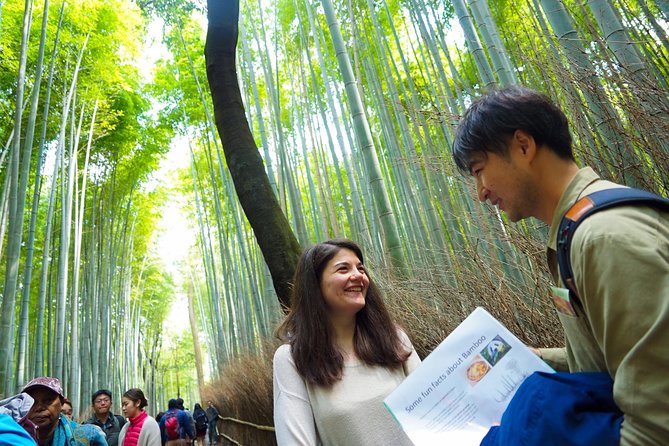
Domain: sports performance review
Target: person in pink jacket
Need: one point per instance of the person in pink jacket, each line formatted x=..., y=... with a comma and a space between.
x=142, y=430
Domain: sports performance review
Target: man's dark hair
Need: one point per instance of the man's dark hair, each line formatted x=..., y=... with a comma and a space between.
x=491, y=120
x=376, y=340
x=101, y=392
x=172, y=404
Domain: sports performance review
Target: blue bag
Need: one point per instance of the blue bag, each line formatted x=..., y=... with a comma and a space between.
x=560, y=409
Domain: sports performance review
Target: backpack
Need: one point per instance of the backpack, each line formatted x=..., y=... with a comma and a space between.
x=120, y=420
x=587, y=206
x=172, y=426
x=201, y=421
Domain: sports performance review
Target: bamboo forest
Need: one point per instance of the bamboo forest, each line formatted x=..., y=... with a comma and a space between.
x=163, y=163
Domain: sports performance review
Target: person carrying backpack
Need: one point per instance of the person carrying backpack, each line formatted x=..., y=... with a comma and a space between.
x=201, y=422
x=175, y=429
x=614, y=306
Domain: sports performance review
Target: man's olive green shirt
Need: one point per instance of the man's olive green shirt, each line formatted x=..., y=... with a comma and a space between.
x=620, y=261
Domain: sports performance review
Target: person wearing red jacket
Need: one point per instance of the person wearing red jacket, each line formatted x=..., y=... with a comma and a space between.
x=142, y=430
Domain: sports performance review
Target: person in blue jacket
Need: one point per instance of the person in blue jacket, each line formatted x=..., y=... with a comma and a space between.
x=11, y=434
x=184, y=434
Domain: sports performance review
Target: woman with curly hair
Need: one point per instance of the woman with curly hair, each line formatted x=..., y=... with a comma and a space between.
x=343, y=355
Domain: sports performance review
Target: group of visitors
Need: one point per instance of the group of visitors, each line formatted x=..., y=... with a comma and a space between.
x=41, y=416
x=343, y=354
x=180, y=427
x=34, y=417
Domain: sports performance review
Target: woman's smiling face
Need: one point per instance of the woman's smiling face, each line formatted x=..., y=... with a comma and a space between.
x=344, y=284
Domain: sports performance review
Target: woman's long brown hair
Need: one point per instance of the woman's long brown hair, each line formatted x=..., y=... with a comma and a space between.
x=308, y=331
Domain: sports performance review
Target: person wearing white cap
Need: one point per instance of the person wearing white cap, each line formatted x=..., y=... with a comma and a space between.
x=45, y=411
x=53, y=428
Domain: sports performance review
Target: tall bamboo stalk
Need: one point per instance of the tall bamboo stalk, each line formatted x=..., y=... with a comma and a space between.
x=15, y=215
x=21, y=361
x=365, y=141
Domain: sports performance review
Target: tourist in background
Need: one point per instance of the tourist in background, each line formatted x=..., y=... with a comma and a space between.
x=52, y=428
x=66, y=409
x=141, y=429
x=201, y=421
x=11, y=434
x=191, y=420
x=212, y=428
x=104, y=418
x=175, y=425
x=18, y=407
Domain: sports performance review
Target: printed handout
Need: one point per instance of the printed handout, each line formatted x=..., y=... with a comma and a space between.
x=464, y=385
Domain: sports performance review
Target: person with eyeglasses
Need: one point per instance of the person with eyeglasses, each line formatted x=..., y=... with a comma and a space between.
x=104, y=418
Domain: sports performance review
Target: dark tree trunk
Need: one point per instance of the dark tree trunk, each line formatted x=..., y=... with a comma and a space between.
x=275, y=237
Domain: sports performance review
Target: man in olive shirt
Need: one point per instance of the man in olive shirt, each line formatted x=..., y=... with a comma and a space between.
x=104, y=418
x=516, y=143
